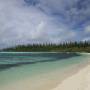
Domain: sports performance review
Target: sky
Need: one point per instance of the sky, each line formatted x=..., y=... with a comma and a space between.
x=43, y=21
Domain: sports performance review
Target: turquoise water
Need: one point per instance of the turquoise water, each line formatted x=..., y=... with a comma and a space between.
x=17, y=66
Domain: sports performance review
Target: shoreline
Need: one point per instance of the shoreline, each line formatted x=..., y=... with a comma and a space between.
x=79, y=81
x=49, y=81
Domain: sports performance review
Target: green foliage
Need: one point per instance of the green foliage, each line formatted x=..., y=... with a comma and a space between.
x=62, y=47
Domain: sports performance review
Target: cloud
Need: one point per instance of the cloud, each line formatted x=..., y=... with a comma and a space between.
x=41, y=21
x=72, y=12
x=87, y=29
x=86, y=39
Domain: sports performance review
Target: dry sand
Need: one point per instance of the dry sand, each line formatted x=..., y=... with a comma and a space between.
x=79, y=81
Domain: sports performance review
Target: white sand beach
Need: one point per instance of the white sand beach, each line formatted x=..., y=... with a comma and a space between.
x=69, y=74
x=79, y=81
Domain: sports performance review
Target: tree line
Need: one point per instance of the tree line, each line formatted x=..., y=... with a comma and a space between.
x=62, y=47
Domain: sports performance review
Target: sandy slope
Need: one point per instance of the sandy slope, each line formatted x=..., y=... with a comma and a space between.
x=79, y=81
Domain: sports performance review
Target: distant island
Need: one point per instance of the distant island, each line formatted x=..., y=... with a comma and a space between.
x=62, y=47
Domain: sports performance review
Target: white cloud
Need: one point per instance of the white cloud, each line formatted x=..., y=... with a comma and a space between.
x=87, y=29
x=22, y=24
x=86, y=39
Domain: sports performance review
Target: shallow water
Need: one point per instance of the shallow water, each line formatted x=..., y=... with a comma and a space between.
x=17, y=66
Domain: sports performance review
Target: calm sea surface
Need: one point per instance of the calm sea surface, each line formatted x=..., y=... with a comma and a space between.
x=14, y=66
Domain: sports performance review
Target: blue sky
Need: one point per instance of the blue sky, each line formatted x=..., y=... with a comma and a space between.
x=41, y=21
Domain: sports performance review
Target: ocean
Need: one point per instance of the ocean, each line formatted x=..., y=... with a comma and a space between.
x=33, y=65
